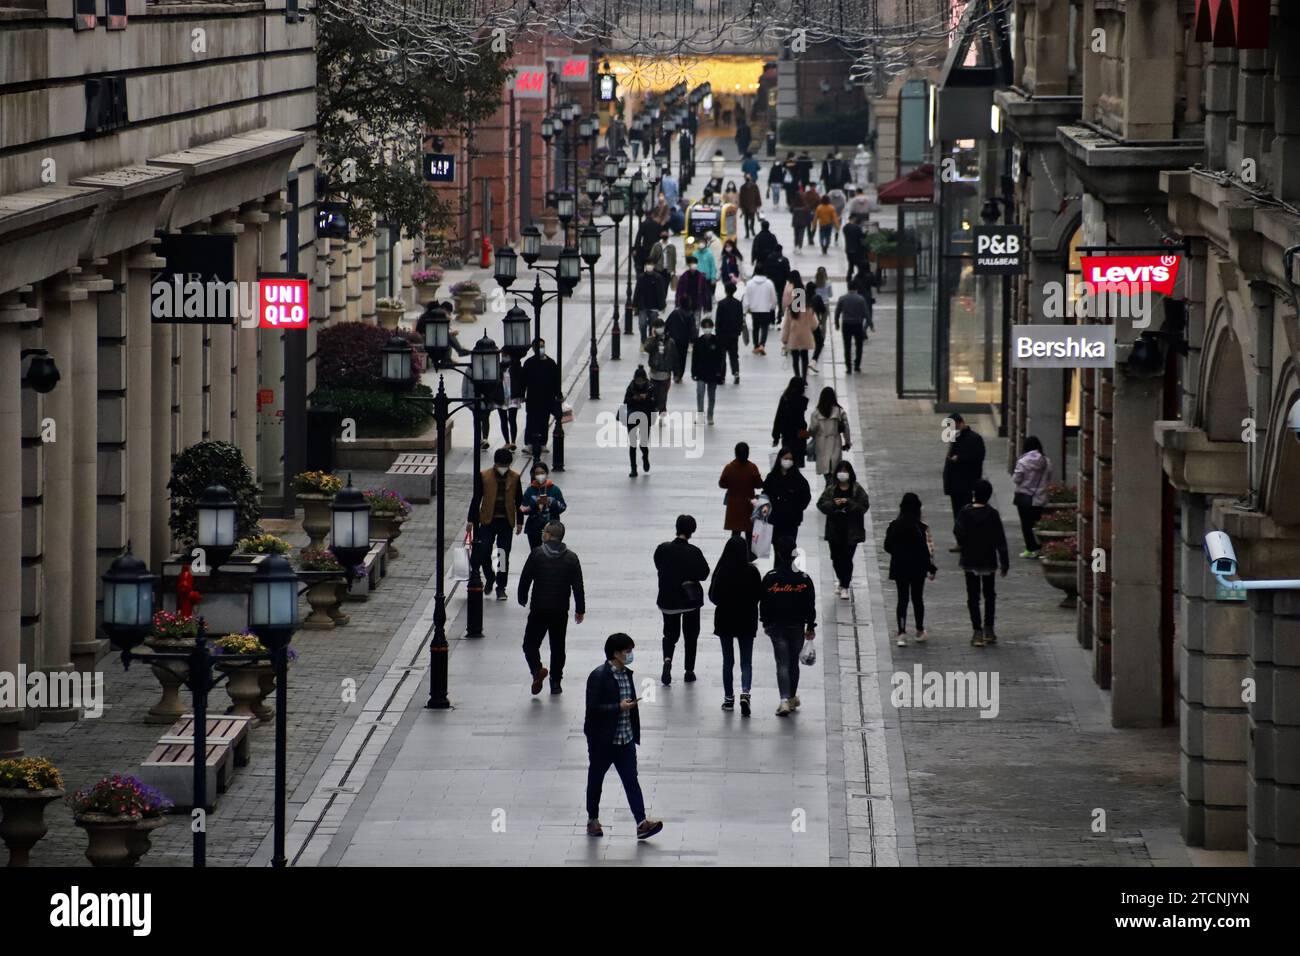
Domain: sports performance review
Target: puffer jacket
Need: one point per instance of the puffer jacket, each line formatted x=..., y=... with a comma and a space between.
x=1032, y=476
x=552, y=571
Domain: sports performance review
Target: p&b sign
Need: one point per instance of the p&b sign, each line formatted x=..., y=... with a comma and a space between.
x=999, y=250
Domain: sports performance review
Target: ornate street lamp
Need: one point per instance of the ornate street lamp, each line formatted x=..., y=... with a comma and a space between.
x=517, y=331
x=531, y=245
x=595, y=186
x=612, y=168
x=566, y=207
x=485, y=365
x=349, y=528
x=216, y=525
x=639, y=188
x=435, y=327
x=589, y=244
x=616, y=208
x=128, y=600
x=396, y=355
x=570, y=268
x=506, y=268
x=548, y=128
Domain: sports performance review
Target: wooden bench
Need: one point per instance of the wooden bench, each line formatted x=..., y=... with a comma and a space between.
x=412, y=475
x=229, y=729
x=170, y=766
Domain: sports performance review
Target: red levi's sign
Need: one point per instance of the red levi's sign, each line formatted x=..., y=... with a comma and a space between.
x=1130, y=274
x=282, y=303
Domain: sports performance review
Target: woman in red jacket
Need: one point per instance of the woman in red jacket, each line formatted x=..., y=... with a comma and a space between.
x=742, y=481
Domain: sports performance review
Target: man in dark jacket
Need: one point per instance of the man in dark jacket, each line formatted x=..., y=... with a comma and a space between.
x=851, y=316
x=730, y=327
x=540, y=378
x=648, y=298
x=552, y=571
x=778, y=270
x=493, y=515
x=681, y=567
x=854, y=252
x=788, y=610
x=764, y=244
x=963, y=466
x=613, y=730
x=680, y=327
x=708, y=367
x=983, y=545
x=695, y=287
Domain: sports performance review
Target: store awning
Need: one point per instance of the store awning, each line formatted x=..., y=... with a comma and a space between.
x=916, y=187
x=1233, y=23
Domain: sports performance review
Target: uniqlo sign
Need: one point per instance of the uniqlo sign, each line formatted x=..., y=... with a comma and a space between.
x=1130, y=274
x=282, y=302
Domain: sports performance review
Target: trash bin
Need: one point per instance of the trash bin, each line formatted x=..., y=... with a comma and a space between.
x=769, y=142
x=323, y=423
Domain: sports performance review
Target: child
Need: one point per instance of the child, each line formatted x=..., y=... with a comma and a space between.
x=983, y=546
x=911, y=561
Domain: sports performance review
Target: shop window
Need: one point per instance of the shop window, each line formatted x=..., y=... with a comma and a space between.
x=106, y=108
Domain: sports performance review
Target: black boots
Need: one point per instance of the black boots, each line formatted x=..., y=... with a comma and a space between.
x=631, y=456
x=645, y=457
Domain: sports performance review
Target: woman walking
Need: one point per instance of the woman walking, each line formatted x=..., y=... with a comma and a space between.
x=1032, y=475
x=822, y=311
x=750, y=199
x=543, y=502
x=844, y=503
x=787, y=489
x=742, y=481
x=828, y=222
x=512, y=390
x=790, y=426
x=828, y=430
x=681, y=567
x=776, y=180
x=735, y=592
x=911, y=561
x=731, y=269
x=639, y=403
x=800, y=332
x=730, y=194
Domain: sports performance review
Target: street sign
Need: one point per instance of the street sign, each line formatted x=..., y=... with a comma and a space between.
x=195, y=286
x=999, y=250
x=440, y=167
x=575, y=69
x=530, y=83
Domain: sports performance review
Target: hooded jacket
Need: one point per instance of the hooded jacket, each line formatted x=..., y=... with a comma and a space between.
x=1032, y=475
x=638, y=399
x=983, y=542
x=552, y=571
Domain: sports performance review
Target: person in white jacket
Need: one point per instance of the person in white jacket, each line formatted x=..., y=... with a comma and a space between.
x=761, y=302
x=1032, y=475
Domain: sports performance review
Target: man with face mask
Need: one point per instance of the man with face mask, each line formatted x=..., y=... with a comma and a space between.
x=493, y=514
x=551, y=572
x=648, y=298
x=708, y=367
x=541, y=384
x=661, y=356
x=613, y=730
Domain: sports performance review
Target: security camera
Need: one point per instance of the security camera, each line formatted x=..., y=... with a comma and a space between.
x=1293, y=419
x=1223, y=560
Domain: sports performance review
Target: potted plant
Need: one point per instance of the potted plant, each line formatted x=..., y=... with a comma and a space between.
x=118, y=813
x=1059, y=560
x=315, y=491
x=466, y=292
x=27, y=785
x=262, y=543
x=170, y=631
x=388, y=512
x=1061, y=496
x=325, y=573
x=390, y=312
x=1057, y=524
x=426, y=282
x=248, y=683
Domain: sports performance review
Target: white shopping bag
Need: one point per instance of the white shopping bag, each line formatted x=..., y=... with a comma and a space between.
x=809, y=654
x=460, y=560
x=761, y=544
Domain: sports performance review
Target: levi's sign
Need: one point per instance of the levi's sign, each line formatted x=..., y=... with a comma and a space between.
x=1130, y=274
x=999, y=250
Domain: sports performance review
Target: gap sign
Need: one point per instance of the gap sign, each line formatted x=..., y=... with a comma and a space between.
x=281, y=302
x=999, y=250
x=440, y=167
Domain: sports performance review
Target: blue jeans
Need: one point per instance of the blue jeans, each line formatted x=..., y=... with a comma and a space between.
x=729, y=661
x=623, y=758
x=787, y=643
x=702, y=389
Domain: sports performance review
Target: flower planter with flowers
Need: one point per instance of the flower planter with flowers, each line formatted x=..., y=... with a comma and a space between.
x=1060, y=497
x=249, y=684
x=324, y=575
x=388, y=512
x=390, y=312
x=1060, y=567
x=315, y=491
x=170, y=633
x=426, y=282
x=1057, y=524
x=27, y=786
x=118, y=813
x=262, y=543
x=466, y=293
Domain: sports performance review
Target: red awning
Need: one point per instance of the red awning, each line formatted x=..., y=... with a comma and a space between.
x=916, y=186
x=1233, y=23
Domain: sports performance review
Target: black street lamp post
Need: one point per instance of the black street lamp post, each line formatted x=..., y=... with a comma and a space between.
x=639, y=189
x=590, y=240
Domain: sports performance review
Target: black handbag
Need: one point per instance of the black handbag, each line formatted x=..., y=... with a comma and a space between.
x=694, y=593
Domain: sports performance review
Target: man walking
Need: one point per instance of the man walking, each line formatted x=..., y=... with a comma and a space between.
x=853, y=245
x=788, y=610
x=731, y=326
x=760, y=300
x=541, y=385
x=493, y=516
x=613, y=730
x=708, y=367
x=851, y=315
x=551, y=571
x=963, y=466
x=764, y=244
x=982, y=542
x=681, y=567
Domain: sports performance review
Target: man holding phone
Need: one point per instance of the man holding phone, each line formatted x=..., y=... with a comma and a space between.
x=613, y=729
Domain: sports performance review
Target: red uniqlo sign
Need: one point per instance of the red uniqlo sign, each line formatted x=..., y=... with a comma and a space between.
x=282, y=303
x=1130, y=274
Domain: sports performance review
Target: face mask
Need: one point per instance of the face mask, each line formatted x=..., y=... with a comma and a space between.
x=842, y=475
x=539, y=478
x=541, y=353
x=787, y=463
x=706, y=330
x=628, y=659
x=691, y=267
x=501, y=470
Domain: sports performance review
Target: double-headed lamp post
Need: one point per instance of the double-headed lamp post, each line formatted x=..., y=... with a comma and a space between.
x=484, y=374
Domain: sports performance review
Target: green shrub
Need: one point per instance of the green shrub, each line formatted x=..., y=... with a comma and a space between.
x=374, y=409
x=349, y=354
x=212, y=463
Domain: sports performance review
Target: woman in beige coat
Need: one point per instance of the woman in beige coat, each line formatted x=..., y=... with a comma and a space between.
x=799, y=332
x=828, y=434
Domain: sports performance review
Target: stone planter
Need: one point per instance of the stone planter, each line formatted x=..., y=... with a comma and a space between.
x=315, y=518
x=389, y=318
x=137, y=840
x=336, y=612
x=424, y=294
x=1052, y=535
x=323, y=596
x=466, y=306
x=110, y=838
x=22, y=820
x=266, y=686
x=1064, y=576
x=172, y=675
x=245, y=686
x=389, y=528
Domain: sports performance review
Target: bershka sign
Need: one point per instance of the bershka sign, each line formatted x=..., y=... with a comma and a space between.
x=1130, y=274
x=282, y=301
x=999, y=250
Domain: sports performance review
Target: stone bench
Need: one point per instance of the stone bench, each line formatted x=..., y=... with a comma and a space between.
x=412, y=476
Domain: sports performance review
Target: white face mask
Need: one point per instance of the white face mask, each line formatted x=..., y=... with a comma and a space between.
x=842, y=475
x=706, y=330
x=502, y=469
x=787, y=463
x=627, y=659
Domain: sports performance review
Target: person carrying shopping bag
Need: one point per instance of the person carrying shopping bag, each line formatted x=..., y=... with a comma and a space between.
x=789, y=495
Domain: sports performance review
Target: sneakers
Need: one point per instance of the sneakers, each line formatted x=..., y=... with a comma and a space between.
x=648, y=828
x=902, y=639
x=501, y=594
x=922, y=637
x=690, y=677
x=744, y=705
x=485, y=444
x=989, y=636
x=783, y=709
x=728, y=703
x=977, y=639
x=1028, y=554
x=593, y=828
x=667, y=676
x=845, y=594
x=538, y=679
x=710, y=419
x=794, y=702
x=736, y=379
x=812, y=366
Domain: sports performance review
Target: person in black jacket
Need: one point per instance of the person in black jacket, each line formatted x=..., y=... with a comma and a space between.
x=777, y=268
x=790, y=425
x=787, y=489
x=613, y=730
x=788, y=610
x=845, y=504
x=764, y=244
x=983, y=544
x=680, y=327
x=708, y=367
x=731, y=326
x=735, y=592
x=681, y=566
x=963, y=466
x=638, y=411
x=648, y=298
x=552, y=571
x=911, y=560
x=541, y=384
